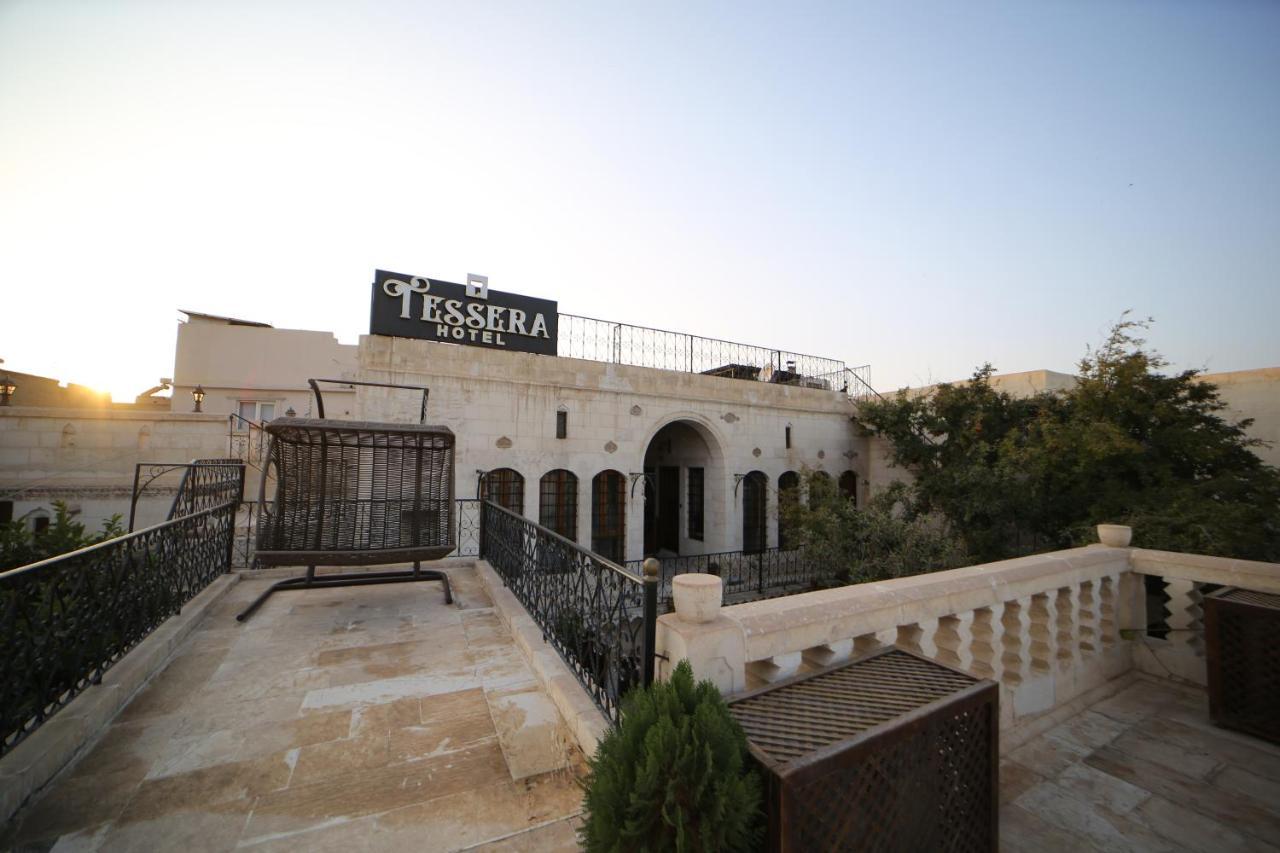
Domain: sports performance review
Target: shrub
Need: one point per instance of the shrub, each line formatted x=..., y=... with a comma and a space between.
x=674, y=775
x=885, y=539
x=20, y=546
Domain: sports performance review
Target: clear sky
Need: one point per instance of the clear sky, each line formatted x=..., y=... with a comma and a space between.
x=920, y=186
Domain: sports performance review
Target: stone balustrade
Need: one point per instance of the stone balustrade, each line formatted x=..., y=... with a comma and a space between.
x=1056, y=630
x=1176, y=585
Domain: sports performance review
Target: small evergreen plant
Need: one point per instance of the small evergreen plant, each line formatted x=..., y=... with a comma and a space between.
x=674, y=775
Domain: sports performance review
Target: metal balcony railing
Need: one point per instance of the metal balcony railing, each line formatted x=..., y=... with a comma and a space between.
x=640, y=346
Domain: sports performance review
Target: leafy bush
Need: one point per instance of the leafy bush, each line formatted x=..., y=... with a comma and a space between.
x=20, y=546
x=888, y=538
x=674, y=775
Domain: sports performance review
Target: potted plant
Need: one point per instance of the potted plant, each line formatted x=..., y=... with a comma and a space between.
x=673, y=775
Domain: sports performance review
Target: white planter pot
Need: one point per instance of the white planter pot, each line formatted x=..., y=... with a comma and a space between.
x=1115, y=535
x=697, y=596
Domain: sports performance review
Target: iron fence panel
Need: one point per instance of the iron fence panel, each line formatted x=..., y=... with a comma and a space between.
x=640, y=346
x=593, y=612
x=746, y=574
x=66, y=620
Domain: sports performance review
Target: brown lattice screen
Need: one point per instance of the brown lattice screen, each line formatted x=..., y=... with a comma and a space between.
x=889, y=752
x=1242, y=648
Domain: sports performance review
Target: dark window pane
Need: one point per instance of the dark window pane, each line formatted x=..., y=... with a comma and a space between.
x=695, y=503
x=558, y=503
x=608, y=515
x=505, y=487
x=788, y=499
x=849, y=486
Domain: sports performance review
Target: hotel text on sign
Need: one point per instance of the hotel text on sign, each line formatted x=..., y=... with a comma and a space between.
x=426, y=308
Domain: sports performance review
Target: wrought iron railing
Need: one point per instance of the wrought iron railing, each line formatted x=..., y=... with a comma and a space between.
x=204, y=483
x=639, y=346
x=247, y=441
x=600, y=617
x=747, y=575
x=208, y=483
x=467, y=533
x=64, y=621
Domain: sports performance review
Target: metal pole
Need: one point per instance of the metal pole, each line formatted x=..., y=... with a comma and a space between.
x=652, y=571
x=133, y=499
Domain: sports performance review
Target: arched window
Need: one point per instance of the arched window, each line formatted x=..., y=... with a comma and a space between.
x=504, y=487
x=819, y=487
x=609, y=515
x=849, y=487
x=558, y=502
x=788, y=499
x=755, y=508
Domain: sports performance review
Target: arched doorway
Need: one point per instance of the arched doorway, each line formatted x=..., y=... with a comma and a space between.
x=820, y=488
x=755, y=512
x=682, y=470
x=849, y=487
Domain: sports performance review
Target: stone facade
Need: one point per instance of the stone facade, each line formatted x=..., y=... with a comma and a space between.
x=503, y=407
x=86, y=458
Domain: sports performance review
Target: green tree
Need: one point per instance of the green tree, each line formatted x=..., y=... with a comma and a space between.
x=888, y=538
x=1127, y=444
x=20, y=546
x=674, y=775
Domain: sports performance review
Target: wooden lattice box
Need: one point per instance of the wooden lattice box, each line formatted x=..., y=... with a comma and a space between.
x=1242, y=647
x=888, y=752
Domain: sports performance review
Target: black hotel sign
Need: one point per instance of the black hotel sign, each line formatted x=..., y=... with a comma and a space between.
x=414, y=307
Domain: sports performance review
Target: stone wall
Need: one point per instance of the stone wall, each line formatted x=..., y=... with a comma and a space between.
x=86, y=458
x=503, y=407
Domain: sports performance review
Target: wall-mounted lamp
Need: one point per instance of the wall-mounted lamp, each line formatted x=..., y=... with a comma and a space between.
x=737, y=481
x=7, y=390
x=637, y=476
x=197, y=394
x=290, y=413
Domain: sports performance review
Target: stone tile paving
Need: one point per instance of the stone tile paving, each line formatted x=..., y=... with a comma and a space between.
x=1142, y=771
x=358, y=718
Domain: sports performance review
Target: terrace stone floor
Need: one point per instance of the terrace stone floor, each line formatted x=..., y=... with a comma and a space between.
x=1143, y=770
x=357, y=718
x=378, y=718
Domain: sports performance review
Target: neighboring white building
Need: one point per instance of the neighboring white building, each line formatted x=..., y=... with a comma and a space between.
x=257, y=371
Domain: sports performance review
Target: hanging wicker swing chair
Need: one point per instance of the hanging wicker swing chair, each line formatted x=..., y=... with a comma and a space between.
x=355, y=493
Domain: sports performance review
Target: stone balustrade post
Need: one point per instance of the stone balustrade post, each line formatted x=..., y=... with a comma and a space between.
x=714, y=644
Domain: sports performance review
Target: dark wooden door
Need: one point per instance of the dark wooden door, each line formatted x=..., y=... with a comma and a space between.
x=650, y=511
x=669, y=508
x=755, y=518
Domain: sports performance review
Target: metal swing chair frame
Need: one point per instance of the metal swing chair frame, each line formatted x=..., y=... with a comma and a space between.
x=356, y=493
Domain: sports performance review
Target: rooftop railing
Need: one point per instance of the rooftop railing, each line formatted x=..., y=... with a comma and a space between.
x=640, y=346
x=66, y=620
